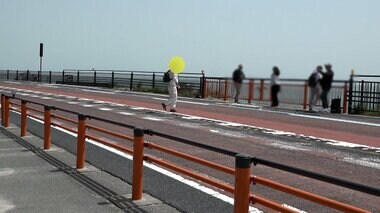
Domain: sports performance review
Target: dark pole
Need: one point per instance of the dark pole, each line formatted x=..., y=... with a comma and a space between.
x=350, y=89
x=41, y=55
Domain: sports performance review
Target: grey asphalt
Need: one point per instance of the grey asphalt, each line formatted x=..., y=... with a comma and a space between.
x=34, y=180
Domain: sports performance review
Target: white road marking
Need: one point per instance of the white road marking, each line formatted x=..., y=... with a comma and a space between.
x=105, y=109
x=336, y=119
x=126, y=113
x=6, y=205
x=152, y=118
x=367, y=162
x=98, y=91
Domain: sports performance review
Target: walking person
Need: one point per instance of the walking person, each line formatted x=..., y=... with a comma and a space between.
x=326, y=82
x=238, y=77
x=173, y=85
x=275, y=86
x=314, y=87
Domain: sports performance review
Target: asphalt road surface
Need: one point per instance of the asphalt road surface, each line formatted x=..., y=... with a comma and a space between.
x=342, y=146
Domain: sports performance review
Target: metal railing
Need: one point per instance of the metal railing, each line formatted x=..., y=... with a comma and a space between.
x=364, y=94
x=355, y=95
x=242, y=172
x=191, y=83
x=294, y=92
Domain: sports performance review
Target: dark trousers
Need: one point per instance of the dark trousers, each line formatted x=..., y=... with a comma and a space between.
x=274, y=92
x=324, y=98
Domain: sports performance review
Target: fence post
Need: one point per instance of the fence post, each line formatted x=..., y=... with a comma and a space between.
x=350, y=91
x=94, y=78
x=261, y=89
x=202, y=84
x=204, y=93
x=138, y=157
x=47, y=123
x=242, y=182
x=7, y=74
x=305, y=95
x=2, y=109
x=112, y=79
x=50, y=77
x=345, y=97
x=131, y=82
x=63, y=76
x=27, y=75
x=362, y=95
x=250, y=91
x=225, y=89
x=154, y=81
x=6, y=112
x=23, y=118
x=77, y=77
x=81, y=139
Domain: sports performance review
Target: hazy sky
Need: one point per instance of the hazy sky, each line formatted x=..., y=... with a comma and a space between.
x=211, y=35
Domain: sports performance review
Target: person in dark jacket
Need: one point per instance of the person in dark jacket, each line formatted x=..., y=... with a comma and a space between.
x=275, y=86
x=326, y=82
x=238, y=77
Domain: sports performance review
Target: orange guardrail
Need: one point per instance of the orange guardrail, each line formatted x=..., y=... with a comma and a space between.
x=242, y=172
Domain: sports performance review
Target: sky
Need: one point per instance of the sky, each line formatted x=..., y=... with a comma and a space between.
x=210, y=35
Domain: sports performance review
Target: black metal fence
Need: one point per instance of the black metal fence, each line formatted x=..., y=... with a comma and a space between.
x=191, y=83
x=364, y=93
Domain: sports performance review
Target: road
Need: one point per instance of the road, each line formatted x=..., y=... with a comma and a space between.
x=343, y=146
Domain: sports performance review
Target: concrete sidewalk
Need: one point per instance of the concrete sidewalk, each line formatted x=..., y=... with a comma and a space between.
x=34, y=180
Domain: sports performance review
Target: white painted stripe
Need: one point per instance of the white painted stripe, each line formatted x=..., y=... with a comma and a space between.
x=126, y=113
x=98, y=91
x=335, y=119
x=181, y=101
x=152, y=118
x=367, y=162
x=105, y=109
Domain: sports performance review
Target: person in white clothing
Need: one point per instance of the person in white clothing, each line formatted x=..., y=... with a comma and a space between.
x=173, y=85
x=315, y=89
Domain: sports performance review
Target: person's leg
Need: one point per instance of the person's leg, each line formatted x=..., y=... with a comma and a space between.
x=276, y=90
x=172, y=97
x=324, y=99
x=237, y=91
x=311, y=98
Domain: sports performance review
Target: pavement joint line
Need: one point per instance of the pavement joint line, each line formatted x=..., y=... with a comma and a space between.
x=121, y=202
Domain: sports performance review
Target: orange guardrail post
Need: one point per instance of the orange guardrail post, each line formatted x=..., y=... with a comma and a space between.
x=2, y=109
x=261, y=90
x=242, y=182
x=138, y=157
x=6, y=111
x=305, y=95
x=23, y=118
x=81, y=140
x=204, y=88
x=250, y=91
x=47, y=124
x=345, y=97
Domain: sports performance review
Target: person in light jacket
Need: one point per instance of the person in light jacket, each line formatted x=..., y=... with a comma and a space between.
x=173, y=85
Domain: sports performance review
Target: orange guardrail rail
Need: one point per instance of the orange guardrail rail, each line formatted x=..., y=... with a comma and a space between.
x=242, y=172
